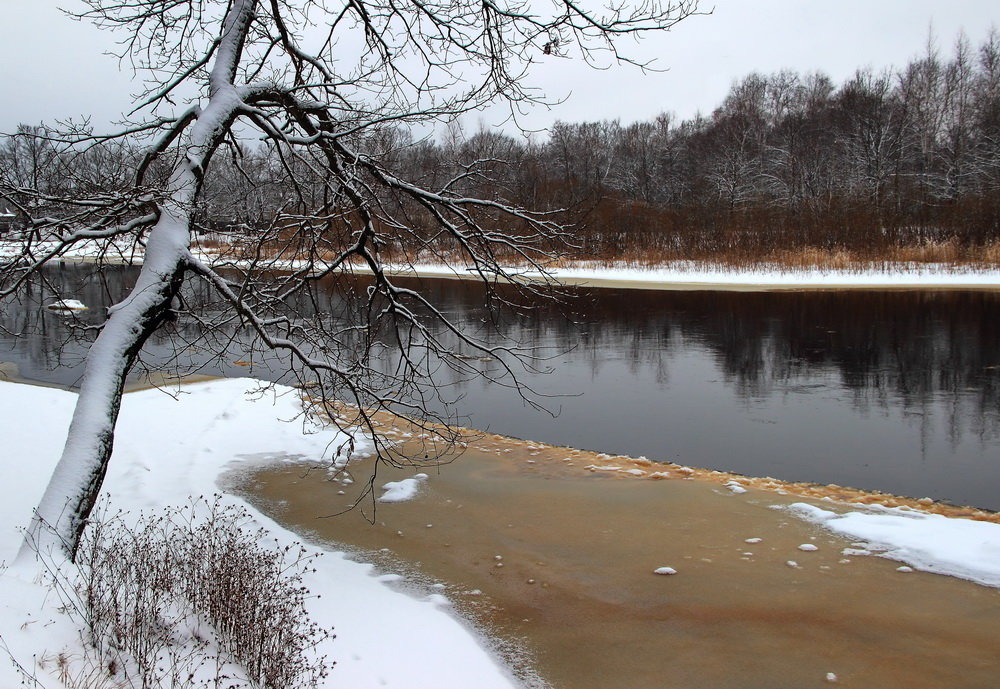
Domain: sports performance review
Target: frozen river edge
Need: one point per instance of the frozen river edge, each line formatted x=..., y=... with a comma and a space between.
x=231, y=422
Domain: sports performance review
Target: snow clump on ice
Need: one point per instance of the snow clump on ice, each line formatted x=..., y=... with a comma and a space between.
x=401, y=491
x=67, y=305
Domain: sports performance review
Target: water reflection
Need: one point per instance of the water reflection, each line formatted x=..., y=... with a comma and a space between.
x=895, y=391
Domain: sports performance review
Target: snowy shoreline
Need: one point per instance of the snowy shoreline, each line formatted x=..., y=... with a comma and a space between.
x=679, y=275
x=691, y=276
x=385, y=638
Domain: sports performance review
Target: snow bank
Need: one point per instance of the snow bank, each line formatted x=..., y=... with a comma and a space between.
x=962, y=548
x=674, y=274
x=682, y=273
x=168, y=448
x=690, y=274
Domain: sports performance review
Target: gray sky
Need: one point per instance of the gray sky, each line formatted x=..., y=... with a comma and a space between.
x=52, y=67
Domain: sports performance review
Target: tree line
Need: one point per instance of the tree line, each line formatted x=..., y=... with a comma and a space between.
x=902, y=163
x=884, y=162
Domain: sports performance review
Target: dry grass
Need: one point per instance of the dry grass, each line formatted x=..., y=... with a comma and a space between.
x=649, y=251
x=947, y=253
x=907, y=257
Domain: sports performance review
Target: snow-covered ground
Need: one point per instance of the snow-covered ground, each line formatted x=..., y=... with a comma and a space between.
x=679, y=274
x=962, y=548
x=170, y=447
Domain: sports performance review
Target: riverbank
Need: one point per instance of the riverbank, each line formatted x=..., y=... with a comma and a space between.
x=550, y=549
x=703, y=276
x=677, y=275
x=171, y=445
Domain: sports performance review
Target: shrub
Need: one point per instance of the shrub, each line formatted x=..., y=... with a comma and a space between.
x=189, y=597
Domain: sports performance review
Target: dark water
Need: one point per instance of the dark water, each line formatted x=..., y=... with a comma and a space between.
x=894, y=391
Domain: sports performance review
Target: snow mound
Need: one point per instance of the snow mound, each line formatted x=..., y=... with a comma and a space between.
x=401, y=491
x=962, y=548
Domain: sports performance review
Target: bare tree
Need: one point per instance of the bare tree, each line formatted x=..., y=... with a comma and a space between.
x=316, y=81
x=739, y=128
x=987, y=113
x=872, y=134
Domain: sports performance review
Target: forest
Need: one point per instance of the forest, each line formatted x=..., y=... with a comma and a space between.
x=897, y=165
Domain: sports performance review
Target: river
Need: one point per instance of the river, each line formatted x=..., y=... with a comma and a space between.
x=896, y=391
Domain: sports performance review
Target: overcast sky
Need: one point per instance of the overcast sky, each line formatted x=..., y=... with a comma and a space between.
x=52, y=67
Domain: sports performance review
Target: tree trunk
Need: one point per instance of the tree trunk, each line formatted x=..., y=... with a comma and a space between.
x=62, y=514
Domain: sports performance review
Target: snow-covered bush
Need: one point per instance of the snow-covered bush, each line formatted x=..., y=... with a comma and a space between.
x=191, y=597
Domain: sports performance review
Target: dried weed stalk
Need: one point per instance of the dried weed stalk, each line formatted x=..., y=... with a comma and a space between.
x=189, y=597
